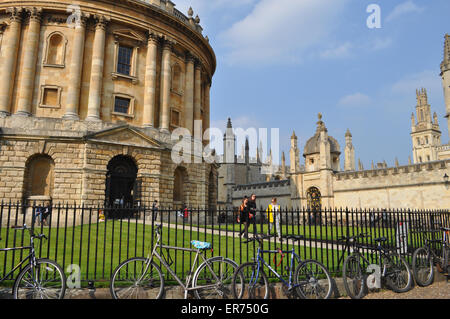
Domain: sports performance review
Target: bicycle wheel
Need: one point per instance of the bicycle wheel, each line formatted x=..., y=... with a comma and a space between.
x=422, y=266
x=248, y=283
x=313, y=280
x=353, y=277
x=48, y=281
x=214, y=278
x=136, y=279
x=398, y=276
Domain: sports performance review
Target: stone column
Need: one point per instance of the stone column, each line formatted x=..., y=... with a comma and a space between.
x=96, y=82
x=198, y=94
x=189, y=94
x=28, y=67
x=10, y=48
x=207, y=109
x=165, y=86
x=150, y=81
x=75, y=71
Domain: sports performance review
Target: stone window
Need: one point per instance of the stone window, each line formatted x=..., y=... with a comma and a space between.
x=175, y=118
x=55, y=53
x=177, y=79
x=124, y=60
x=126, y=49
x=123, y=105
x=179, y=190
x=39, y=177
x=50, y=96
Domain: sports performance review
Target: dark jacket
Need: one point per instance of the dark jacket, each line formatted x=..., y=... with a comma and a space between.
x=252, y=206
x=244, y=213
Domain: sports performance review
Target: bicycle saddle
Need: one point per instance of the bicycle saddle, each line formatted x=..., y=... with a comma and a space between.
x=200, y=244
x=380, y=239
x=295, y=237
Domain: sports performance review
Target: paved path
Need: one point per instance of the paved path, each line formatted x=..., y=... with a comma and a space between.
x=439, y=290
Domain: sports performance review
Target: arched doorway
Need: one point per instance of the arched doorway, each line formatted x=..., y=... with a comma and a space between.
x=179, y=187
x=121, y=181
x=39, y=177
x=314, y=199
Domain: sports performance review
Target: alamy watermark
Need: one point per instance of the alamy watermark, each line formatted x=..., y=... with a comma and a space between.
x=374, y=19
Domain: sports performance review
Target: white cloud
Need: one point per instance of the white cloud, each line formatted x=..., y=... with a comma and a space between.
x=381, y=43
x=341, y=51
x=355, y=100
x=403, y=9
x=280, y=31
x=428, y=79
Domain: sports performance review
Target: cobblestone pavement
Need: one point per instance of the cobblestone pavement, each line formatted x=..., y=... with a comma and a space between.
x=438, y=290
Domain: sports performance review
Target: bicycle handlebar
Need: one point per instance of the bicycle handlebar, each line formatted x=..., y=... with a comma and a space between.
x=295, y=237
x=350, y=238
x=258, y=238
x=32, y=234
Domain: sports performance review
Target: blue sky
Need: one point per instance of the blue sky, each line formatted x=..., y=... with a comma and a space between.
x=280, y=62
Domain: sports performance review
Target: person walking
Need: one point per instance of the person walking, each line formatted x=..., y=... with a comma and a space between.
x=186, y=213
x=38, y=214
x=252, y=207
x=273, y=216
x=244, y=217
x=154, y=210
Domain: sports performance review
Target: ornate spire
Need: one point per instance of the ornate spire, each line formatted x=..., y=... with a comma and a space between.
x=320, y=124
x=190, y=12
x=445, y=65
x=229, y=123
x=348, y=134
x=447, y=48
x=422, y=97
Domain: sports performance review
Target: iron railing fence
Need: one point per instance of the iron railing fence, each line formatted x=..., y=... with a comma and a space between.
x=97, y=239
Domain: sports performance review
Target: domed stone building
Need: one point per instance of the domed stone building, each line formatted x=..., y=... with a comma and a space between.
x=89, y=96
x=312, y=151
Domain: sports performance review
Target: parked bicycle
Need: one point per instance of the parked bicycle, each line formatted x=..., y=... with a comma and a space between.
x=425, y=258
x=310, y=280
x=394, y=271
x=142, y=278
x=40, y=278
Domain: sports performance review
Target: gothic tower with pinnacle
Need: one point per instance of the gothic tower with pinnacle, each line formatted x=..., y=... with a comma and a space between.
x=445, y=74
x=349, y=162
x=425, y=132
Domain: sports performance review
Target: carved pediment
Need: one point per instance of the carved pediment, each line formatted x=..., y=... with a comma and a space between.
x=129, y=35
x=124, y=135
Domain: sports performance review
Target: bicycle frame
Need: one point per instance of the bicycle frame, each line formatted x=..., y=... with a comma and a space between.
x=437, y=258
x=260, y=262
x=184, y=285
x=379, y=250
x=31, y=257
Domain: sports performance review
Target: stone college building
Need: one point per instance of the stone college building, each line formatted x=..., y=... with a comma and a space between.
x=89, y=94
x=319, y=180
